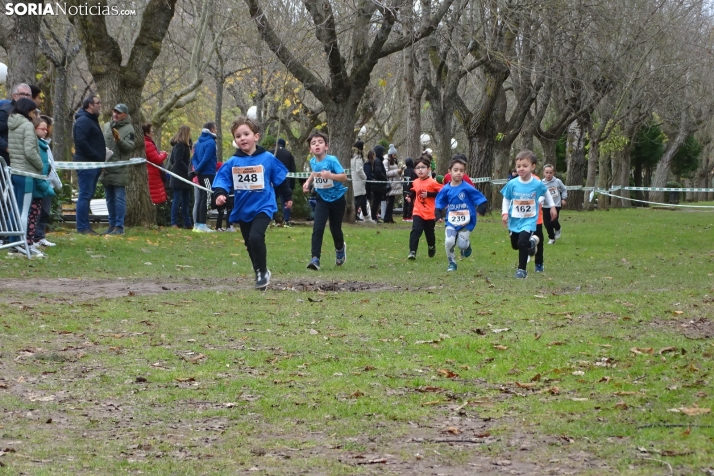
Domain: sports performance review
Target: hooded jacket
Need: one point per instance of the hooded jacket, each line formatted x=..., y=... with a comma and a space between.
x=22, y=142
x=378, y=170
x=156, y=181
x=5, y=108
x=204, y=154
x=89, y=145
x=180, y=165
x=409, y=175
x=43, y=188
x=359, y=177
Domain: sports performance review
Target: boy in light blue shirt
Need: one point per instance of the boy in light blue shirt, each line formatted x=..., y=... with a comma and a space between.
x=328, y=178
x=522, y=198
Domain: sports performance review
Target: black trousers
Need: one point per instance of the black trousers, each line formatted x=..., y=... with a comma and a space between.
x=377, y=198
x=551, y=226
x=254, y=238
x=334, y=211
x=361, y=202
x=419, y=226
x=204, y=198
x=521, y=242
x=388, y=218
x=408, y=207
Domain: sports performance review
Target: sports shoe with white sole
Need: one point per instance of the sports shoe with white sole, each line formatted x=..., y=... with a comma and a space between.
x=341, y=255
x=45, y=242
x=262, y=279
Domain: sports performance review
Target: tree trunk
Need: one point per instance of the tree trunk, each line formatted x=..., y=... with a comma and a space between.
x=414, y=95
x=219, y=116
x=481, y=154
x=603, y=182
x=122, y=82
x=22, y=50
x=61, y=134
x=549, y=148
x=341, y=117
x=593, y=159
x=664, y=165
x=577, y=165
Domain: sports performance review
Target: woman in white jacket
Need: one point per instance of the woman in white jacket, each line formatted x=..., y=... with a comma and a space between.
x=359, y=180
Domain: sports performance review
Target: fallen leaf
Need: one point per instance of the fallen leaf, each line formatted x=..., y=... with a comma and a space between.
x=526, y=385
x=677, y=313
x=197, y=358
x=676, y=453
x=535, y=378
x=433, y=402
x=604, y=379
x=429, y=388
x=453, y=430
x=667, y=349
x=621, y=405
x=447, y=373
x=554, y=390
x=556, y=342
x=185, y=379
x=230, y=404
x=500, y=347
x=642, y=350
x=356, y=394
x=496, y=331
x=627, y=394
x=314, y=300
x=694, y=411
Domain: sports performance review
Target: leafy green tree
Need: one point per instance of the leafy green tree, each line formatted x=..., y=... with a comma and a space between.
x=686, y=160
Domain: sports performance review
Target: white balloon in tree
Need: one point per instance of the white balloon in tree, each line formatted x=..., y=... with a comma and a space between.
x=425, y=139
x=454, y=144
x=252, y=113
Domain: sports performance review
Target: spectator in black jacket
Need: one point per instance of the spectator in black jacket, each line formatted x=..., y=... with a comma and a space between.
x=89, y=146
x=287, y=159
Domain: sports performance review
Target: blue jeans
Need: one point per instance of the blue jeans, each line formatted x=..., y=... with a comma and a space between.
x=116, y=205
x=87, y=186
x=181, y=200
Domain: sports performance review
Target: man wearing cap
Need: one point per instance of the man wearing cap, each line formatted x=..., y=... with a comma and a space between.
x=119, y=136
x=89, y=146
x=287, y=159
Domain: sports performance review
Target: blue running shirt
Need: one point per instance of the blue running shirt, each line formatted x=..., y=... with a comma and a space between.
x=460, y=203
x=523, y=211
x=329, y=190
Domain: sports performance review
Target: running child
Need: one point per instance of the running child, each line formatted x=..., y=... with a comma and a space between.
x=462, y=202
x=252, y=174
x=422, y=194
x=560, y=194
x=521, y=205
x=328, y=177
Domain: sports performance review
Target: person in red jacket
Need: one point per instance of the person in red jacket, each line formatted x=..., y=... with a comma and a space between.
x=157, y=190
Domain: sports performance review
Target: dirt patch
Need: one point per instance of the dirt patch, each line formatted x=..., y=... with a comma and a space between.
x=80, y=289
x=695, y=329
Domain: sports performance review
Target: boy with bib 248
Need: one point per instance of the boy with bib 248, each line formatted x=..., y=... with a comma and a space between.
x=251, y=174
x=522, y=198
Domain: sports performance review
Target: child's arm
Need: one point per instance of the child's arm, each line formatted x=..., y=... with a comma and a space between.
x=308, y=183
x=505, y=208
x=563, y=192
x=285, y=192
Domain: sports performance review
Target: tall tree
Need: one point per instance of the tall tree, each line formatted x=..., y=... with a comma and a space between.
x=348, y=65
x=120, y=81
x=19, y=37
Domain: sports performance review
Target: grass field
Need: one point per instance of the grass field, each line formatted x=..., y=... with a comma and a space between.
x=151, y=353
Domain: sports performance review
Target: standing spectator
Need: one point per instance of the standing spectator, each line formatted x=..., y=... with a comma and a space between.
x=119, y=137
x=204, y=166
x=409, y=177
x=394, y=175
x=89, y=146
x=157, y=190
x=380, y=185
x=359, y=179
x=25, y=156
x=369, y=185
x=21, y=90
x=40, y=237
x=180, y=163
x=287, y=159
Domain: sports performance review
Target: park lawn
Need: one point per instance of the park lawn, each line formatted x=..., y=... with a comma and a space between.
x=602, y=364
